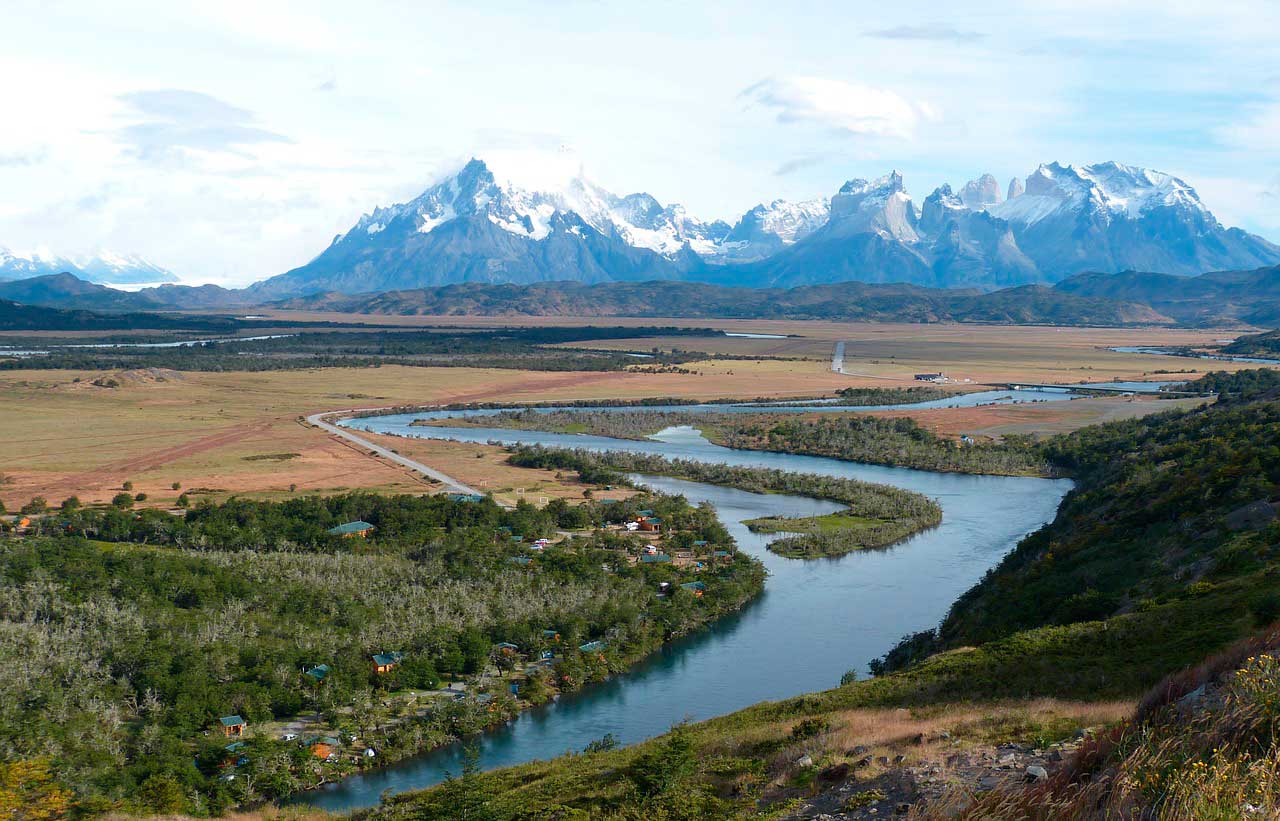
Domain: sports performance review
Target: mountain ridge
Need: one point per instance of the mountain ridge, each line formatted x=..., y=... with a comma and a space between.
x=476, y=226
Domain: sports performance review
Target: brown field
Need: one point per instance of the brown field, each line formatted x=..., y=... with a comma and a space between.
x=239, y=432
x=485, y=468
x=1046, y=418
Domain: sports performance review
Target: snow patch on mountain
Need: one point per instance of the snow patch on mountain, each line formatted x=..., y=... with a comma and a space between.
x=1111, y=189
x=105, y=267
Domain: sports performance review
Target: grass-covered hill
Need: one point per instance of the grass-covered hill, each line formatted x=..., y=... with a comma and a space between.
x=1167, y=552
x=1031, y=304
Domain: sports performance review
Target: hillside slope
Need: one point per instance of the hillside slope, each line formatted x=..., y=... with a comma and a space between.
x=848, y=301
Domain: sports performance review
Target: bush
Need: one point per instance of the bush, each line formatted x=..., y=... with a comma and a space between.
x=141, y=497
x=70, y=503
x=1265, y=609
x=122, y=500
x=38, y=504
x=127, y=485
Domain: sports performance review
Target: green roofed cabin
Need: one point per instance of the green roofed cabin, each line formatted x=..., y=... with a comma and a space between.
x=655, y=558
x=465, y=497
x=591, y=647
x=384, y=662
x=320, y=672
x=350, y=529
x=696, y=588
x=233, y=726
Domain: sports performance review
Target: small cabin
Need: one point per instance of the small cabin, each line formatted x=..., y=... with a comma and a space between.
x=655, y=558
x=507, y=648
x=551, y=635
x=325, y=749
x=319, y=673
x=352, y=529
x=591, y=647
x=523, y=561
x=696, y=588
x=931, y=377
x=233, y=726
x=465, y=497
x=386, y=662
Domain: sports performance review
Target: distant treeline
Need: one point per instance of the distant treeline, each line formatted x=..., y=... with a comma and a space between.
x=515, y=348
x=897, y=442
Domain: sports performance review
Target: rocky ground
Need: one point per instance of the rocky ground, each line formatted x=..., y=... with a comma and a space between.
x=946, y=772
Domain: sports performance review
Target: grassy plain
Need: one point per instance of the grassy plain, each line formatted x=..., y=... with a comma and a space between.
x=239, y=432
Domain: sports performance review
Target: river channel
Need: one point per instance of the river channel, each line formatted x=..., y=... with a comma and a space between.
x=816, y=619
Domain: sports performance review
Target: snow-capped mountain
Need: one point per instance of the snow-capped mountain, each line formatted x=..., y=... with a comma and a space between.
x=767, y=229
x=496, y=226
x=105, y=267
x=1064, y=220
x=477, y=225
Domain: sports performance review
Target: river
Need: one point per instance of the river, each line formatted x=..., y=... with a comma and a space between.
x=816, y=619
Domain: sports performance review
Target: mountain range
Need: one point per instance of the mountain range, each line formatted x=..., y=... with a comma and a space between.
x=104, y=267
x=477, y=226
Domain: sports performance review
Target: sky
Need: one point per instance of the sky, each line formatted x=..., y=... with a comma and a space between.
x=231, y=141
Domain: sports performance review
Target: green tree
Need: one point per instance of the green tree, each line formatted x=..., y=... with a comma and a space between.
x=468, y=797
x=667, y=764
x=38, y=504
x=122, y=500
x=161, y=793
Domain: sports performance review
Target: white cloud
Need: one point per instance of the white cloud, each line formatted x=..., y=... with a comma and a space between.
x=173, y=121
x=849, y=108
x=1260, y=131
x=935, y=32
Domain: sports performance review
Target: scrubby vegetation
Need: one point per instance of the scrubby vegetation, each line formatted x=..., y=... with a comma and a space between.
x=883, y=514
x=897, y=442
x=873, y=397
x=877, y=440
x=125, y=635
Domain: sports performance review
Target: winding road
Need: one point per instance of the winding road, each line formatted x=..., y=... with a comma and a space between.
x=452, y=484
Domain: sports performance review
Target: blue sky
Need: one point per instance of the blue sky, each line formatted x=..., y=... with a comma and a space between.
x=230, y=141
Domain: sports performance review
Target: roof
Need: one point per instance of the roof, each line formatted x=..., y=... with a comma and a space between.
x=650, y=558
x=466, y=497
x=318, y=672
x=235, y=747
x=521, y=559
x=506, y=645
x=383, y=659
x=591, y=646
x=549, y=633
x=350, y=527
x=699, y=586
x=721, y=553
x=700, y=543
x=232, y=721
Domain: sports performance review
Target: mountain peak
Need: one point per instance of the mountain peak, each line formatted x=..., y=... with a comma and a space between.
x=981, y=193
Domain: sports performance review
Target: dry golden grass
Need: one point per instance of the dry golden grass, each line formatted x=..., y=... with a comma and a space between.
x=485, y=468
x=65, y=436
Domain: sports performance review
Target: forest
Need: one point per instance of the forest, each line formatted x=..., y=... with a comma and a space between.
x=125, y=634
x=876, y=515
